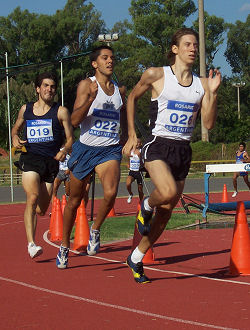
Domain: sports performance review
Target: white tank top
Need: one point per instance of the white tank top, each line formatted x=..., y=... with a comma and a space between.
x=64, y=165
x=176, y=107
x=134, y=162
x=102, y=124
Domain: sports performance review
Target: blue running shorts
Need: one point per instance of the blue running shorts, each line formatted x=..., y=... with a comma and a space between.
x=85, y=158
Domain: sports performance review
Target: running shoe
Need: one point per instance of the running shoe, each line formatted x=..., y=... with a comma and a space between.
x=235, y=194
x=62, y=257
x=94, y=242
x=143, y=220
x=34, y=250
x=137, y=270
x=129, y=199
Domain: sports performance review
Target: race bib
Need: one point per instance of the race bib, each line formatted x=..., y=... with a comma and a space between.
x=181, y=116
x=106, y=123
x=39, y=130
x=134, y=165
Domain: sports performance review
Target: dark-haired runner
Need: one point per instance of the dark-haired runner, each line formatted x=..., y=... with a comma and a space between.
x=99, y=111
x=45, y=124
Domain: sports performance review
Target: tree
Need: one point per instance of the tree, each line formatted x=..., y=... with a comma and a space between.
x=19, y=95
x=214, y=27
x=238, y=48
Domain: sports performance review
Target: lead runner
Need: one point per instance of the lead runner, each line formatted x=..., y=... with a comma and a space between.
x=99, y=109
x=177, y=96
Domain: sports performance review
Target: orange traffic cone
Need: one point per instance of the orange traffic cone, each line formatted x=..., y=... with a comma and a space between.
x=52, y=215
x=57, y=225
x=138, y=208
x=82, y=229
x=240, y=251
x=149, y=257
x=111, y=213
x=224, y=195
x=64, y=202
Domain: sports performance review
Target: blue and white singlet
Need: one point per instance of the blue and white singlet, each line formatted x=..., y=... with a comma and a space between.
x=134, y=162
x=174, y=112
x=102, y=124
x=240, y=158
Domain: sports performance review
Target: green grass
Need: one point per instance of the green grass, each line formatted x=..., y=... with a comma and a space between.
x=121, y=228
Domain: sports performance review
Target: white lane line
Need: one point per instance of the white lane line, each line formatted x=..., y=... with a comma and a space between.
x=122, y=308
x=11, y=223
x=21, y=221
x=45, y=237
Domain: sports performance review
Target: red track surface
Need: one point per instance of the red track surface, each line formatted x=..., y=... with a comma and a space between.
x=190, y=287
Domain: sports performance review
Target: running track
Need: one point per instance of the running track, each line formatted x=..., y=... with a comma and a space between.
x=190, y=289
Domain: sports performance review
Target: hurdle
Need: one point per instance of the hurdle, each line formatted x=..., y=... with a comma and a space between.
x=222, y=168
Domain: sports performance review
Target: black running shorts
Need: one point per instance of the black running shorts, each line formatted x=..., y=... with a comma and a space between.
x=46, y=167
x=137, y=175
x=176, y=154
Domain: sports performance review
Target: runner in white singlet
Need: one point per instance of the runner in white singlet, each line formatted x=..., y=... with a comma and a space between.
x=177, y=96
x=99, y=110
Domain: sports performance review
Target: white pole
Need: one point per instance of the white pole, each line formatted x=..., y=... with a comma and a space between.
x=202, y=50
x=10, y=142
x=238, y=97
x=62, y=83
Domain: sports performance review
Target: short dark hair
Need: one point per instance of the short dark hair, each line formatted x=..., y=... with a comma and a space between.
x=45, y=75
x=176, y=41
x=242, y=144
x=97, y=51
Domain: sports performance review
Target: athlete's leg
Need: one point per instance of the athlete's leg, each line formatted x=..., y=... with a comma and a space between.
x=129, y=182
x=86, y=194
x=109, y=175
x=245, y=177
x=162, y=216
x=76, y=194
x=56, y=185
x=140, y=191
x=165, y=185
x=67, y=187
x=235, y=177
x=31, y=186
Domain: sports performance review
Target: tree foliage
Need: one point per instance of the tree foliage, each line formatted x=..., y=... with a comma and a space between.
x=49, y=40
x=214, y=28
x=238, y=48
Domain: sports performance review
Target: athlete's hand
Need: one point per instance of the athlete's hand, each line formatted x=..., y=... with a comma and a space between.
x=214, y=80
x=93, y=89
x=17, y=142
x=60, y=156
x=130, y=146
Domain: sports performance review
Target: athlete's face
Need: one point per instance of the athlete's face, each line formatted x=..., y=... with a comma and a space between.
x=47, y=90
x=187, y=49
x=104, y=63
x=241, y=147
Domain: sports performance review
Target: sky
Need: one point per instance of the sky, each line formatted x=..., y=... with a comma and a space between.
x=114, y=10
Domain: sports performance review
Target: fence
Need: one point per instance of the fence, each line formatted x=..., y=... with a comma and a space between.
x=197, y=167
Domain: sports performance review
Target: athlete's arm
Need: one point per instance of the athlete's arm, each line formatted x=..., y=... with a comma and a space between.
x=123, y=116
x=16, y=141
x=145, y=83
x=246, y=157
x=86, y=93
x=209, y=101
x=64, y=118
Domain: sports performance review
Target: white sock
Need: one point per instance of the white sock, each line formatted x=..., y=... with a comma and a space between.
x=146, y=205
x=137, y=256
